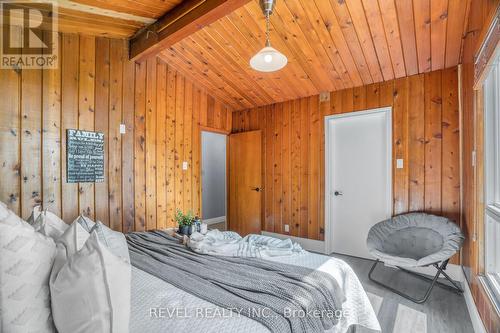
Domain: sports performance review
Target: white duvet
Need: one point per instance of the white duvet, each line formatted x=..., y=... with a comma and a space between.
x=230, y=244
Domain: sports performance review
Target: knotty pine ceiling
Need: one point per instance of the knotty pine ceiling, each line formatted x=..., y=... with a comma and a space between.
x=330, y=45
x=145, y=8
x=110, y=18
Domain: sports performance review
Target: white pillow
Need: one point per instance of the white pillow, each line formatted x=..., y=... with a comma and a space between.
x=78, y=232
x=35, y=215
x=114, y=241
x=85, y=222
x=47, y=223
x=26, y=259
x=90, y=286
x=69, y=243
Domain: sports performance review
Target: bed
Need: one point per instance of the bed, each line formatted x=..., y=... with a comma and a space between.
x=118, y=296
x=158, y=306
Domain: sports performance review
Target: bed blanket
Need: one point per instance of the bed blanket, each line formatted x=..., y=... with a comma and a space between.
x=284, y=298
x=229, y=243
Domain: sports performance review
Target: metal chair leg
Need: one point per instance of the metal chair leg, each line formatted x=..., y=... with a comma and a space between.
x=454, y=287
x=457, y=287
x=434, y=281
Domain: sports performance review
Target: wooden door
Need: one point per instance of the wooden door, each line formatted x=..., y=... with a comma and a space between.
x=245, y=182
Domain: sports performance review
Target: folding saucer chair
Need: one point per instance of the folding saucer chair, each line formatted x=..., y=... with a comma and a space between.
x=416, y=240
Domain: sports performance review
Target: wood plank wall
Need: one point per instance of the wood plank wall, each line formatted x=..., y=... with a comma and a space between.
x=97, y=88
x=425, y=135
x=481, y=14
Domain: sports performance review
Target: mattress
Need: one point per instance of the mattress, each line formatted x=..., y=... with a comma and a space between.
x=158, y=306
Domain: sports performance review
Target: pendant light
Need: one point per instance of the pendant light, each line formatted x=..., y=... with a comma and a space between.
x=268, y=59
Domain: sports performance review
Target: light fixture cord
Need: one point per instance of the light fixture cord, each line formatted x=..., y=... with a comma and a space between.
x=268, y=39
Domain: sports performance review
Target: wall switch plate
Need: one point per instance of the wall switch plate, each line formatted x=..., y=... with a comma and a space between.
x=123, y=128
x=184, y=165
x=399, y=163
x=287, y=228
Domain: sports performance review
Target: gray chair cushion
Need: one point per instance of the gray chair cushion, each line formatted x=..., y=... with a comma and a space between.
x=414, y=239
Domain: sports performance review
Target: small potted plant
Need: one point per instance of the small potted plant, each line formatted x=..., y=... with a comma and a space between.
x=185, y=221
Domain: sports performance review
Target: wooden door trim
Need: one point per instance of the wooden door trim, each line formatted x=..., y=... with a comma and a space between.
x=214, y=130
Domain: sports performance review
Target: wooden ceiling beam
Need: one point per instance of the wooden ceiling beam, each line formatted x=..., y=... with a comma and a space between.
x=185, y=19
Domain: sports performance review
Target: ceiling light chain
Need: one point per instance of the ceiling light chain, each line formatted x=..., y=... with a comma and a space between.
x=268, y=59
x=268, y=37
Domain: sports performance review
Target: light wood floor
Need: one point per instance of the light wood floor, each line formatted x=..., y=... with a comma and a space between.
x=445, y=311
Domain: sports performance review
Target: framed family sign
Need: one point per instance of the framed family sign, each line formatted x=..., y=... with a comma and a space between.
x=84, y=156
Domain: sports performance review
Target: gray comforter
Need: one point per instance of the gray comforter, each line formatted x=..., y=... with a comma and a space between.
x=284, y=298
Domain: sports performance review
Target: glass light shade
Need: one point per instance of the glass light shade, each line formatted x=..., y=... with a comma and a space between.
x=268, y=60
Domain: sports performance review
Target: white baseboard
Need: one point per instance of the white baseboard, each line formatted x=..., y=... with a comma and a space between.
x=477, y=322
x=215, y=220
x=307, y=244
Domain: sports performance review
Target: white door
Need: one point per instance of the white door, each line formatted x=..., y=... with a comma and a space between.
x=358, y=175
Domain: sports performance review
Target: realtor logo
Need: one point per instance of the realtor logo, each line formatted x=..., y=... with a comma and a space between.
x=29, y=35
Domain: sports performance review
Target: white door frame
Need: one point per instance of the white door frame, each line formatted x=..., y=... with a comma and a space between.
x=328, y=163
